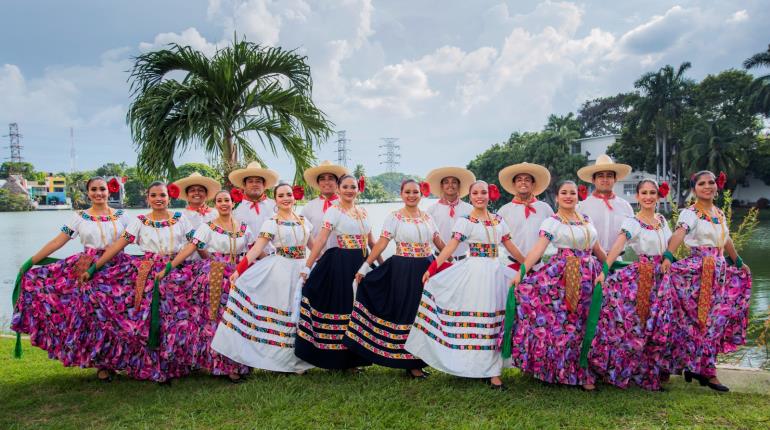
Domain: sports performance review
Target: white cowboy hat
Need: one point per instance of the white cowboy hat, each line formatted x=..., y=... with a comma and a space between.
x=604, y=164
x=311, y=175
x=195, y=178
x=465, y=176
x=237, y=176
x=540, y=174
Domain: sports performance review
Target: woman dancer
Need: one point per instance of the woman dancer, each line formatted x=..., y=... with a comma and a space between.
x=260, y=322
x=711, y=302
x=553, y=302
x=327, y=296
x=388, y=297
x=635, y=321
x=461, y=313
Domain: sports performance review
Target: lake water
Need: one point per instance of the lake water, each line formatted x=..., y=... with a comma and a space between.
x=24, y=233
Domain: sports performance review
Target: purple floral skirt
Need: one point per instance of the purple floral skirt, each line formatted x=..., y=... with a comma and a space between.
x=548, y=335
x=199, y=290
x=48, y=298
x=114, y=324
x=711, y=310
x=633, y=331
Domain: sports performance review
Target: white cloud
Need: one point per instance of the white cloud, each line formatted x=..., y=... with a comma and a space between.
x=189, y=37
x=739, y=16
x=660, y=32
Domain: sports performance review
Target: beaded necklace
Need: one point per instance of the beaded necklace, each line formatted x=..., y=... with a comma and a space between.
x=707, y=214
x=170, y=249
x=98, y=220
x=583, y=224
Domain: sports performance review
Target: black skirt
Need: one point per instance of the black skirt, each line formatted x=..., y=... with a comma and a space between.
x=327, y=299
x=385, y=307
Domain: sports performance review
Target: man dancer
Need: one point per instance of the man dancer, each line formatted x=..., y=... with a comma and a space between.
x=256, y=207
x=450, y=184
x=324, y=179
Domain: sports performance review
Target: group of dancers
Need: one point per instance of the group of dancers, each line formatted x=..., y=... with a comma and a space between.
x=251, y=284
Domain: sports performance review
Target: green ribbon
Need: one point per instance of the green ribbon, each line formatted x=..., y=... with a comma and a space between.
x=617, y=265
x=591, y=322
x=17, y=292
x=154, y=338
x=510, y=316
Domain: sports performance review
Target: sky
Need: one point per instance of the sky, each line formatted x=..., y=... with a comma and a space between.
x=447, y=78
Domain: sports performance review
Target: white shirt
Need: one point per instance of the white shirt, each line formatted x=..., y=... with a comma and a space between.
x=645, y=239
x=413, y=236
x=196, y=219
x=571, y=235
x=165, y=237
x=607, y=222
x=470, y=230
x=350, y=231
x=289, y=237
x=314, y=213
x=701, y=231
x=525, y=232
x=96, y=232
x=440, y=214
x=219, y=242
x=244, y=212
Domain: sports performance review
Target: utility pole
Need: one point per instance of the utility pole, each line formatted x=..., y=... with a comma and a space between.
x=15, y=146
x=343, y=153
x=72, y=150
x=391, y=154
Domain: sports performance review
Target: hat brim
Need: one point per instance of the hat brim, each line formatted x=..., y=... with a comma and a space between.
x=541, y=175
x=237, y=176
x=311, y=175
x=465, y=176
x=586, y=173
x=211, y=186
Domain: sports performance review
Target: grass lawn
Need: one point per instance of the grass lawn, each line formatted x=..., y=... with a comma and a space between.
x=38, y=392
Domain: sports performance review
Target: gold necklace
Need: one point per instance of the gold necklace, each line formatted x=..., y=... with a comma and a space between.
x=719, y=218
x=171, y=247
x=566, y=221
x=99, y=226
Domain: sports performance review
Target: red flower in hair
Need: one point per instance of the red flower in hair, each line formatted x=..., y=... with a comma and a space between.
x=663, y=189
x=113, y=186
x=721, y=180
x=582, y=192
x=236, y=195
x=298, y=191
x=361, y=184
x=494, y=192
x=124, y=179
x=425, y=189
x=173, y=191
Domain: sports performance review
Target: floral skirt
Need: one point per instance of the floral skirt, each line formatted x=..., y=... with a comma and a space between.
x=551, y=318
x=200, y=289
x=460, y=319
x=48, y=302
x=114, y=323
x=327, y=301
x=384, y=310
x=711, y=310
x=632, y=335
x=259, y=324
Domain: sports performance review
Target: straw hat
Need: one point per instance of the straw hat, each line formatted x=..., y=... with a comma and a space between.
x=541, y=175
x=604, y=164
x=465, y=176
x=311, y=175
x=237, y=176
x=195, y=178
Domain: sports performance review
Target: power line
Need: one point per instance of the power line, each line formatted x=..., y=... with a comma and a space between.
x=15, y=146
x=391, y=154
x=343, y=152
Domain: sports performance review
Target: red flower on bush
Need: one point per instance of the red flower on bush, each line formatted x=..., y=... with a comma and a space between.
x=582, y=192
x=173, y=191
x=425, y=189
x=298, y=191
x=494, y=192
x=663, y=190
x=124, y=179
x=236, y=195
x=361, y=184
x=113, y=186
x=721, y=180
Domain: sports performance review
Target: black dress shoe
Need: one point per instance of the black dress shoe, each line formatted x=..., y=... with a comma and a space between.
x=689, y=376
x=717, y=387
x=499, y=387
x=413, y=376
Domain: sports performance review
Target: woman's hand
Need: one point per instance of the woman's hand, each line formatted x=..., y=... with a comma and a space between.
x=665, y=266
x=359, y=278
x=234, y=277
x=303, y=274
x=600, y=279
x=85, y=277
x=160, y=275
x=746, y=269
x=516, y=280
x=425, y=277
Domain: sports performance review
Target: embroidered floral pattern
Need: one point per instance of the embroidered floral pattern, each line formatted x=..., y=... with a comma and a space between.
x=459, y=236
x=130, y=238
x=232, y=234
x=413, y=249
x=68, y=231
x=294, y=252
x=160, y=224
x=103, y=218
x=489, y=223
x=351, y=241
x=483, y=249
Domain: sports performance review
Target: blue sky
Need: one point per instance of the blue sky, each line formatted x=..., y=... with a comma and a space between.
x=448, y=78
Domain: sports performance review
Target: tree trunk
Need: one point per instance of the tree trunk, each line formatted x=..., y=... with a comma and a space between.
x=664, y=169
x=657, y=156
x=229, y=152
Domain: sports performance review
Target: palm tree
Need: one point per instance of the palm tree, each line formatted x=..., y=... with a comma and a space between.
x=759, y=91
x=713, y=146
x=664, y=98
x=184, y=99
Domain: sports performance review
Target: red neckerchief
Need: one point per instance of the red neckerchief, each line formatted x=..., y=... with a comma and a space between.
x=328, y=202
x=528, y=208
x=605, y=198
x=451, y=206
x=255, y=204
x=203, y=210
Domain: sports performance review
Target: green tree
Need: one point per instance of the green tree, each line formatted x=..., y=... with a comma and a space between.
x=665, y=95
x=716, y=148
x=374, y=191
x=10, y=202
x=244, y=89
x=76, y=188
x=187, y=169
x=605, y=115
x=112, y=169
x=25, y=169
x=391, y=181
x=759, y=91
